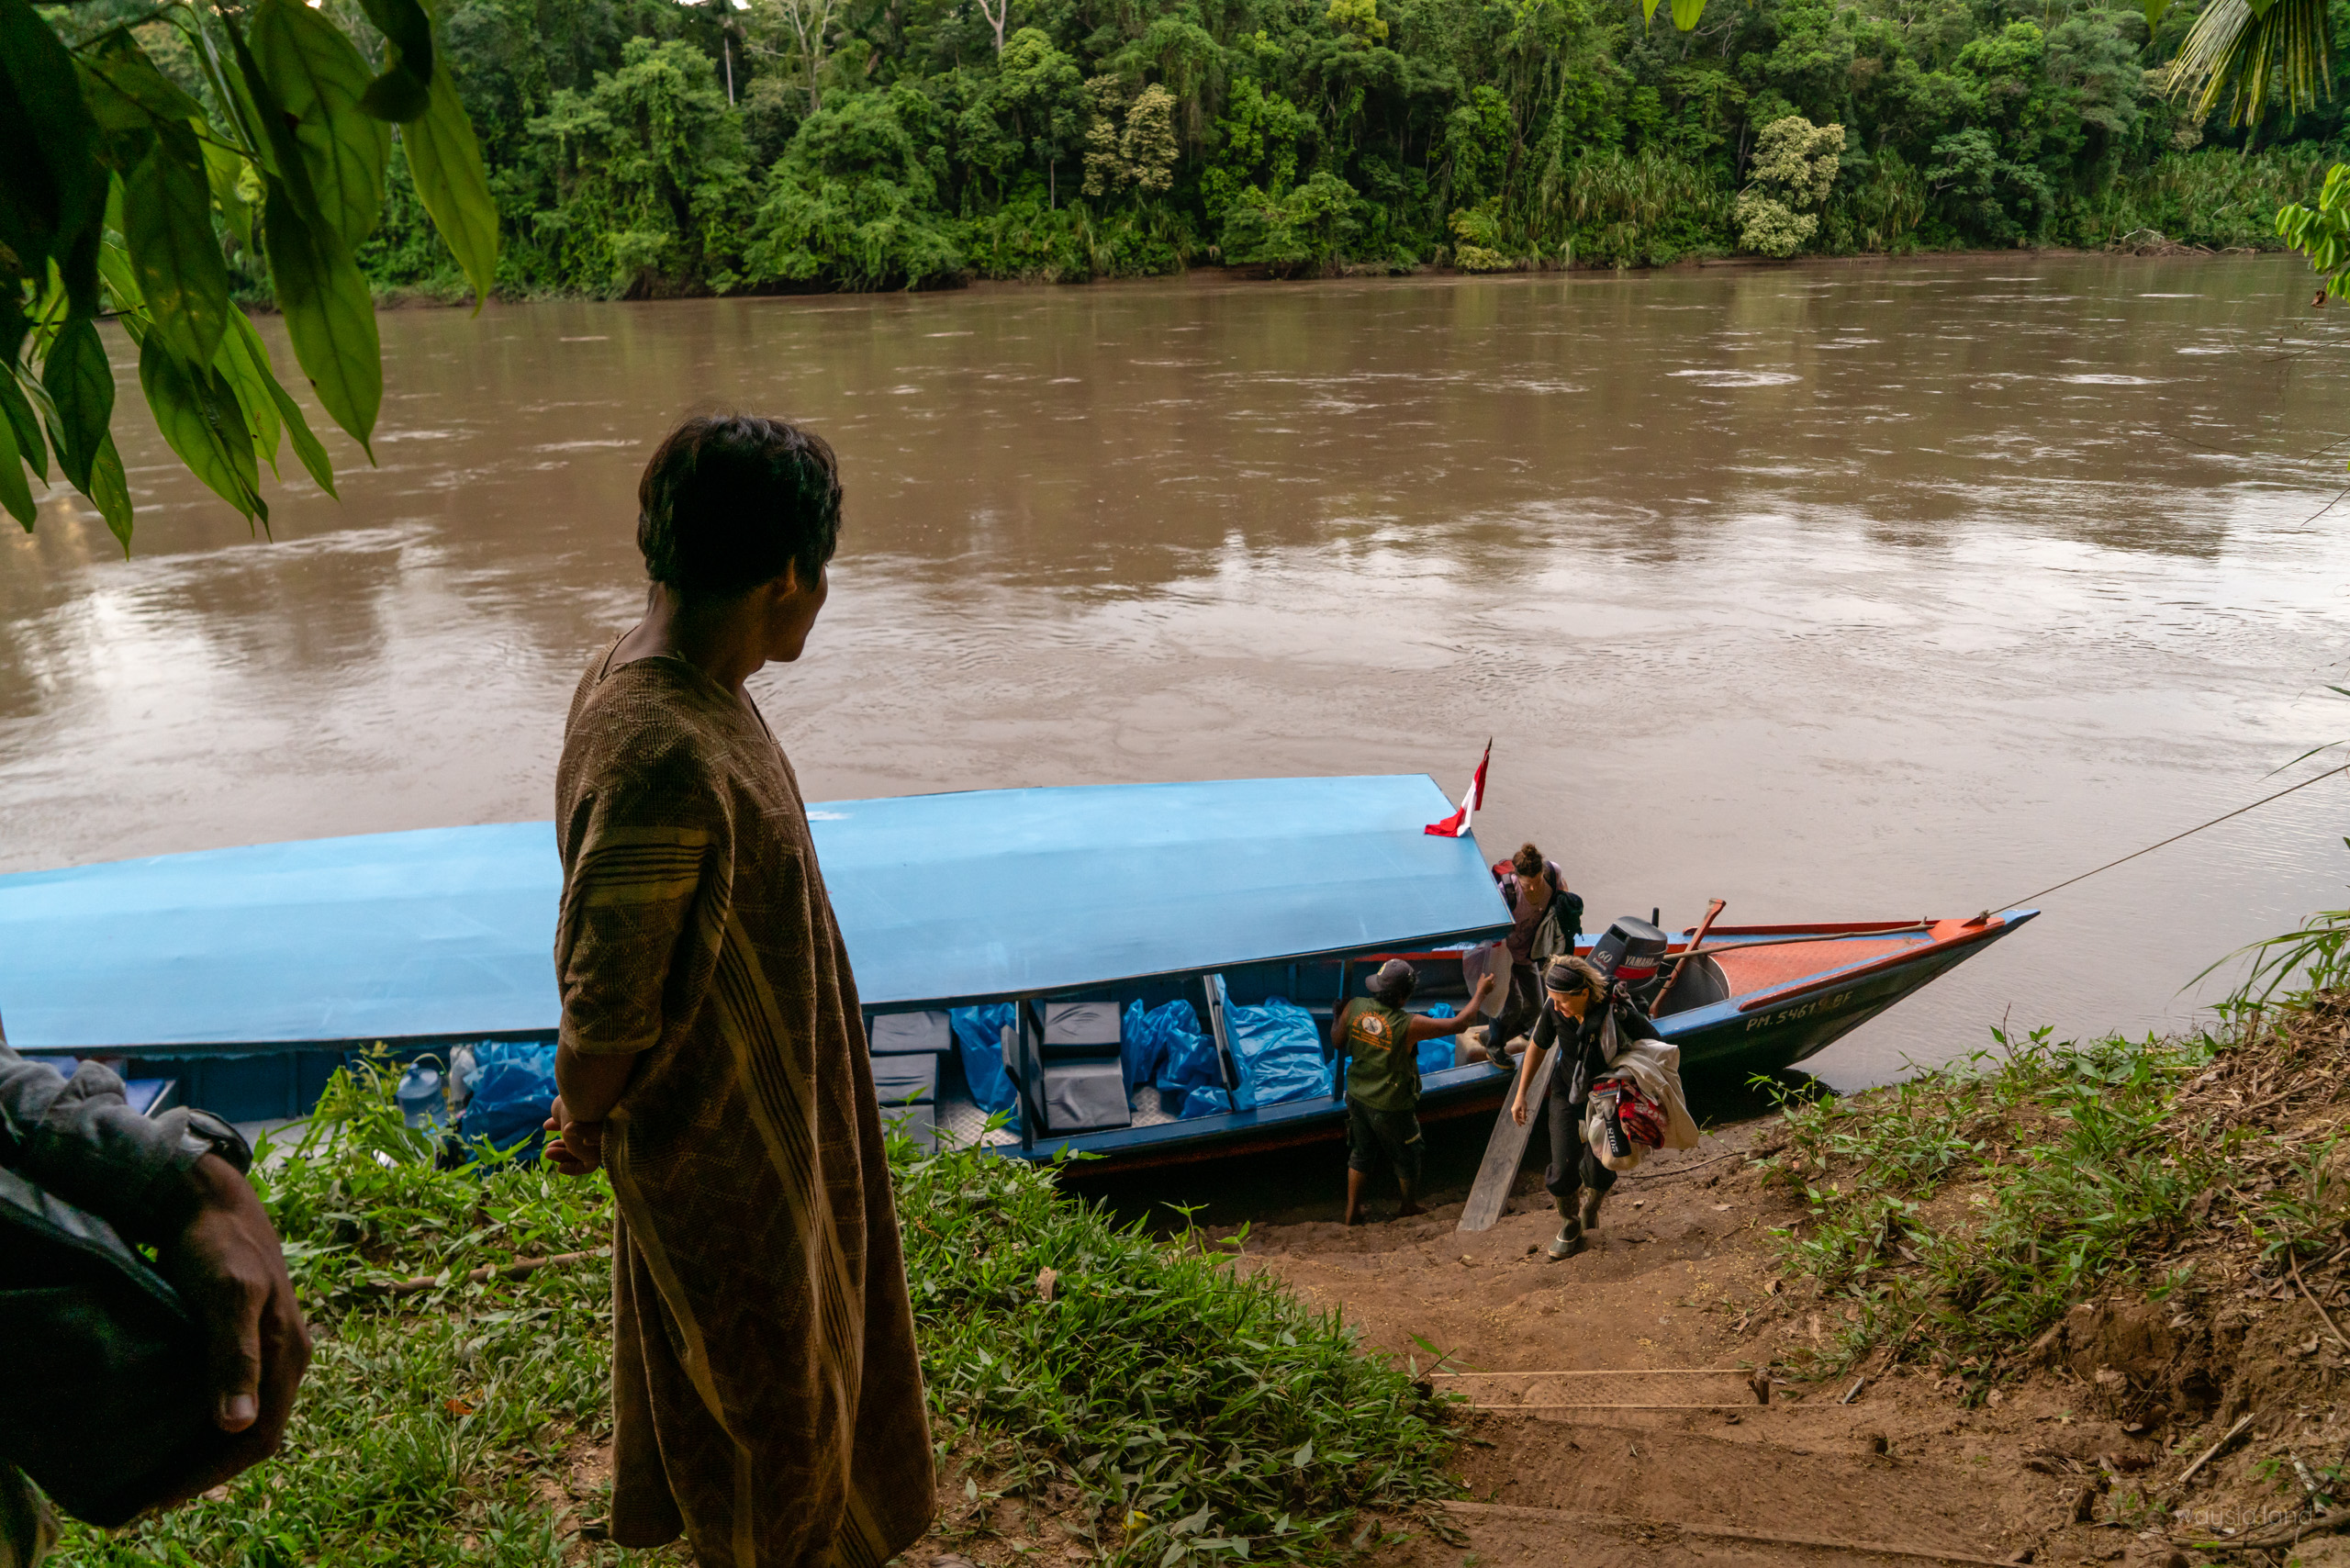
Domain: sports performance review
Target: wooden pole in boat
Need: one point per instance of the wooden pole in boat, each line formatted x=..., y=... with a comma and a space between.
x=1687, y=952
x=1694, y=951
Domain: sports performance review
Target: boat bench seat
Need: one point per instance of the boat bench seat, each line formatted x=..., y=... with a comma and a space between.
x=905, y=1080
x=1080, y=1030
x=1082, y=1096
x=911, y=1034
x=906, y=1087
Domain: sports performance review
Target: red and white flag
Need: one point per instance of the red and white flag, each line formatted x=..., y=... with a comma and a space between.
x=1457, y=824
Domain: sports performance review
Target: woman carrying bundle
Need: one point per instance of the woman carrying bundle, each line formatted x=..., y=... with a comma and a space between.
x=1575, y=1015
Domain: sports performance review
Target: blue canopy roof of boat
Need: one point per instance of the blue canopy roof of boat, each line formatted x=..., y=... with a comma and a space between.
x=948, y=897
x=449, y=932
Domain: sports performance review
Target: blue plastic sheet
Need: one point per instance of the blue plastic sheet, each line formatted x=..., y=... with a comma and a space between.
x=510, y=1093
x=1149, y=1039
x=1278, y=1052
x=1435, y=1056
x=1204, y=1101
x=1190, y=1061
x=978, y=1040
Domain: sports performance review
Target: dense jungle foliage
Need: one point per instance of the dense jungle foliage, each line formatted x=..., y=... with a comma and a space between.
x=646, y=146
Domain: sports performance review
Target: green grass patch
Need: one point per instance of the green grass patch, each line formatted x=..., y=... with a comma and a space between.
x=1191, y=1413
x=1202, y=1414
x=1970, y=1207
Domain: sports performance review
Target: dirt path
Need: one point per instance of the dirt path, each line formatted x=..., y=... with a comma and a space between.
x=1679, y=1278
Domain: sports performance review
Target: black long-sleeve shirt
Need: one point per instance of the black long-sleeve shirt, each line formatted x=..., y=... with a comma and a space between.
x=77, y=1140
x=1583, y=1041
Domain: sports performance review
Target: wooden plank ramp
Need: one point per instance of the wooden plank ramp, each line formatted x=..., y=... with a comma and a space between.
x=1505, y=1150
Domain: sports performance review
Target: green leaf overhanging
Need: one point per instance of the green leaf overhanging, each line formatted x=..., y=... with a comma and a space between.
x=198, y=416
x=224, y=170
x=51, y=206
x=319, y=77
x=446, y=161
x=16, y=494
x=241, y=373
x=329, y=315
x=281, y=156
x=118, y=62
x=167, y=214
x=306, y=447
x=31, y=450
x=80, y=388
x=111, y=493
x=401, y=92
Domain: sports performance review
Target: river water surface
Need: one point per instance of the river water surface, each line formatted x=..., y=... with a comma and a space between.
x=1844, y=592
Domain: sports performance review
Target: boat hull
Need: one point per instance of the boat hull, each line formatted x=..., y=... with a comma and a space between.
x=1722, y=1044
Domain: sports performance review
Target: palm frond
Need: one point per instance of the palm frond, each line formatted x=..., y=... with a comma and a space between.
x=2275, y=57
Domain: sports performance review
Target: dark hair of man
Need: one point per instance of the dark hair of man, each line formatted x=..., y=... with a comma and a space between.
x=730, y=501
x=1528, y=861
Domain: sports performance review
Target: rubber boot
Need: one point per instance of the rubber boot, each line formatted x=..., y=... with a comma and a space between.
x=1569, y=1240
x=1590, y=1212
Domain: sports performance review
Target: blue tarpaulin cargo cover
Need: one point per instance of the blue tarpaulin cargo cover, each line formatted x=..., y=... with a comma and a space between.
x=944, y=898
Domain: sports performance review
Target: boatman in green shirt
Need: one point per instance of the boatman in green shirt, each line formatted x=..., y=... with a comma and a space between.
x=1379, y=1044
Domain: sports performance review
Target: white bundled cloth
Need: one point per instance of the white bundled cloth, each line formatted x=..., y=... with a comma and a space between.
x=1653, y=1067
x=1491, y=958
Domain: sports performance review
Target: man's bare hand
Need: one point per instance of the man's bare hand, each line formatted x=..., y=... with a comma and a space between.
x=577, y=1147
x=228, y=1267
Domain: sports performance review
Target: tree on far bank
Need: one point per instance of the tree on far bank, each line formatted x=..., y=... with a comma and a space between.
x=1793, y=169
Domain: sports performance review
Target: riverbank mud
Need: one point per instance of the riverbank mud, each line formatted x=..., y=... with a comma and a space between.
x=2193, y=1406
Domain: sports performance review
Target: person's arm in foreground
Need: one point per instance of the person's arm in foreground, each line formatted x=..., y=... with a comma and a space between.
x=588, y=1087
x=1422, y=1027
x=162, y=1181
x=1546, y=1030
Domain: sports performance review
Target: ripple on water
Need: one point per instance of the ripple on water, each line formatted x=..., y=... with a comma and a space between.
x=1739, y=377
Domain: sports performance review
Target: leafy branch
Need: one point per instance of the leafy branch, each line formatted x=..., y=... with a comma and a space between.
x=115, y=202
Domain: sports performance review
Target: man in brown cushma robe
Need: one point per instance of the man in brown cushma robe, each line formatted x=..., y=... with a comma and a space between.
x=767, y=1398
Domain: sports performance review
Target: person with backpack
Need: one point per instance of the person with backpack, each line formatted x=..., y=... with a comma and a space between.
x=1545, y=919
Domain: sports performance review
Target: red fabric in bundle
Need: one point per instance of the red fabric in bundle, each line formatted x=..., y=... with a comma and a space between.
x=1642, y=1117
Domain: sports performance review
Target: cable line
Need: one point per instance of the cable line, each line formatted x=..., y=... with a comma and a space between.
x=2173, y=838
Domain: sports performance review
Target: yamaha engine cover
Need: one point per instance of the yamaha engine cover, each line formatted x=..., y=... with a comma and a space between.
x=1631, y=951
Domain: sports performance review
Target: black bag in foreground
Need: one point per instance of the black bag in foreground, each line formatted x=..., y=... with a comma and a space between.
x=104, y=1399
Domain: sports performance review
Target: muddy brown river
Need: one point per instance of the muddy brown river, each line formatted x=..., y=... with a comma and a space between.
x=1846, y=591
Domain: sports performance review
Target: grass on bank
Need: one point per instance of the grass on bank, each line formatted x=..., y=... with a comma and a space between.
x=1960, y=1214
x=1162, y=1407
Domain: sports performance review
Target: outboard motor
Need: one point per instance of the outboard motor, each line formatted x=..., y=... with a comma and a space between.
x=1629, y=952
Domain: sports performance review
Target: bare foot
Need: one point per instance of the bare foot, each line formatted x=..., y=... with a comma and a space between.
x=1353, y=1219
x=1409, y=1210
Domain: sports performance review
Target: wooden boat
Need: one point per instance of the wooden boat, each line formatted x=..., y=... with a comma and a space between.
x=244, y=976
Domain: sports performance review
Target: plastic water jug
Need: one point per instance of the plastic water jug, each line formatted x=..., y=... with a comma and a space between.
x=421, y=1100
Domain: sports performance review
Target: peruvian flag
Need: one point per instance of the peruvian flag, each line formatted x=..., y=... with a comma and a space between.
x=1457, y=824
